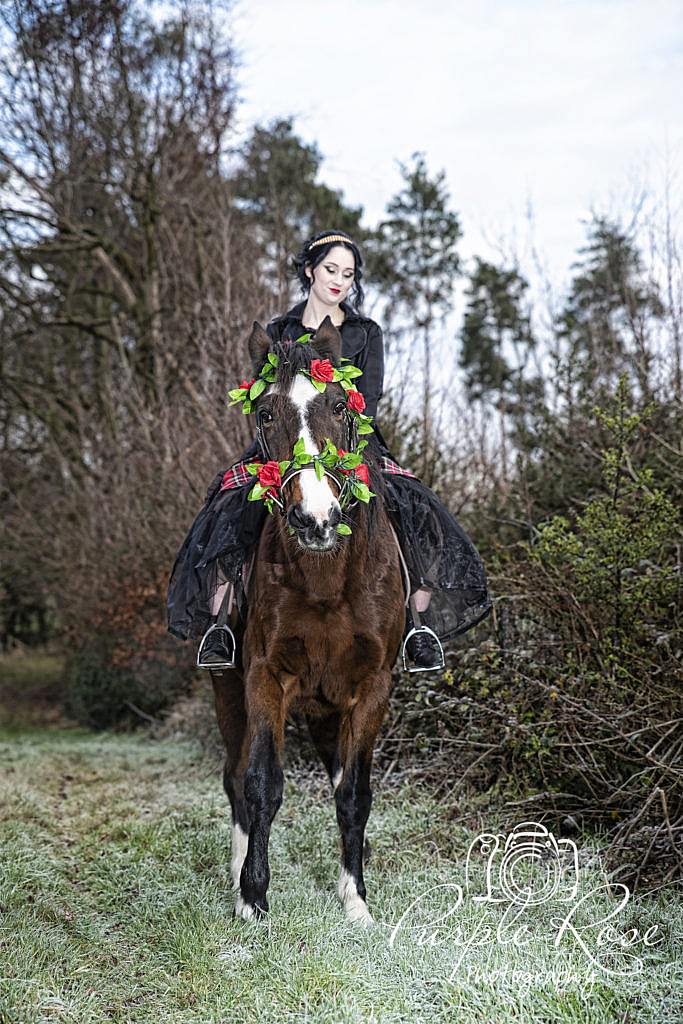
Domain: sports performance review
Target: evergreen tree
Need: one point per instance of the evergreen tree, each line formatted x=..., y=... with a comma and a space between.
x=496, y=345
x=607, y=316
x=277, y=190
x=415, y=262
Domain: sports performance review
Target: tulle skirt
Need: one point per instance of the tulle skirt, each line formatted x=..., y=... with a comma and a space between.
x=439, y=555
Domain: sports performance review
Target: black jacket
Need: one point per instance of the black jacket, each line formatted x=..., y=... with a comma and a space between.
x=362, y=343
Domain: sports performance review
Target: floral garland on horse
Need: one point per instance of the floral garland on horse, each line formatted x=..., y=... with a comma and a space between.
x=270, y=475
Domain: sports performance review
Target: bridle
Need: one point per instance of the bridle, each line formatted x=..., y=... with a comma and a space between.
x=345, y=498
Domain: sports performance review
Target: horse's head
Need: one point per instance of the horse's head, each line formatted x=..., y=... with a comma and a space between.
x=293, y=408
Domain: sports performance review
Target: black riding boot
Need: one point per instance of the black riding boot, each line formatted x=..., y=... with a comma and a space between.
x=422, y=649
x=217, y=648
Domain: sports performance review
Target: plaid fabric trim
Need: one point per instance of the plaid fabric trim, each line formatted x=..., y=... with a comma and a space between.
x=389, y=466
x=237, y=475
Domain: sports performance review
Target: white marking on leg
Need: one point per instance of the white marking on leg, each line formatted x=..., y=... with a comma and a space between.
x=240, y=842
x=356, y=908
x=337, y=777
x=244, y=910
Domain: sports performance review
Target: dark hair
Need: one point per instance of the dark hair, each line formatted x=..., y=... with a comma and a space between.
x=312, y=255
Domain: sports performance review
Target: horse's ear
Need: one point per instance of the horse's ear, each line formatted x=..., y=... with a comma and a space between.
x=328, y=342
x=258, y=345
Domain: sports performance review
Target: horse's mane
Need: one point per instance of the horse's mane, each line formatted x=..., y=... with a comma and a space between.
x=295, y=356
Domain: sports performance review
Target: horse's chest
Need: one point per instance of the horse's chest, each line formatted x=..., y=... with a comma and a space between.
x=323, y=656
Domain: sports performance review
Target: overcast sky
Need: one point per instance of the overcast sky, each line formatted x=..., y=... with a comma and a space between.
x=550, y=102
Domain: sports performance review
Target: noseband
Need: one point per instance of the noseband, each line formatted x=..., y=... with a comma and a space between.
x=341, y=479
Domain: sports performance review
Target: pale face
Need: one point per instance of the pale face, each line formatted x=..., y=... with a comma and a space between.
x=333, y=276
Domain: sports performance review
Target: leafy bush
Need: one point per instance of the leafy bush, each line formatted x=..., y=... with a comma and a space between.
x=130, y=668
x=572, y=705
x=102, y=694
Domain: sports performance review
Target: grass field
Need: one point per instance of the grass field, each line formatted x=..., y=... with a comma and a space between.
x=116, y=906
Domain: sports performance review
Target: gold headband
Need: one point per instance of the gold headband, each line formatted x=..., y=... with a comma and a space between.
x=330, y=238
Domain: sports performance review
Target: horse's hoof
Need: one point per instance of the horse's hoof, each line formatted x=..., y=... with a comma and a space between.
x=360, y=915
x=249, y=911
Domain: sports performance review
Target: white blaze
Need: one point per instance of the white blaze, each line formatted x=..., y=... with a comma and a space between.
x=317, y=495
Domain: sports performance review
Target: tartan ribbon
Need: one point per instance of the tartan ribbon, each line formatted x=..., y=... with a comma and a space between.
x=238, y=475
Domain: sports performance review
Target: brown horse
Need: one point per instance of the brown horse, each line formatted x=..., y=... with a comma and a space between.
x=323, y=629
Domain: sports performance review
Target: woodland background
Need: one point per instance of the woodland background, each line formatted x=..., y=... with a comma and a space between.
x=136, y=248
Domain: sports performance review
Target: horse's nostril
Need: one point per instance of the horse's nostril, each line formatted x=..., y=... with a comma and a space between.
x=298, y=519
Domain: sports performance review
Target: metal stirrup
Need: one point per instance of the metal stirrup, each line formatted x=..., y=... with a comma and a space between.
x=217, y=666
x=422, y=668
x=222, y=624
x=419, y=628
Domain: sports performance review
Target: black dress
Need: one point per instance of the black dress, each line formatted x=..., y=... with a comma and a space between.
x=438, y=553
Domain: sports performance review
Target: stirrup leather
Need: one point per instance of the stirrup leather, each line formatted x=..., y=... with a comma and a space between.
x=419, y=668
x=231, y=645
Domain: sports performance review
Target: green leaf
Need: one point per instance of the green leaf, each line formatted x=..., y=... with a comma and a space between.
x=253, y=467
x=257, y=388
x=319, y=385
x=352, y=371
x=351, y=460
x=246, y=406
x=299, y=448
x=283, y=466
x=304, y=338
x=343, y=529
x=273, y=359
x=360, y=491
x=237, y=394
x=319, y=470
x=256, y=492
x=365, y=428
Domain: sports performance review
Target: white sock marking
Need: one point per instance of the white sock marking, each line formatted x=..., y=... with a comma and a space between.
x=355, y=907
x=240, y=842
x=244, y=910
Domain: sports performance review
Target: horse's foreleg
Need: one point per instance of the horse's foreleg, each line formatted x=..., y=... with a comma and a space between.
x=263, y=786
x=232, y=721
x=353, y=798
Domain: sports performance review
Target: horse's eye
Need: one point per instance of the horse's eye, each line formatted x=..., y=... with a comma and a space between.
x=265, y=416
x=339, y=408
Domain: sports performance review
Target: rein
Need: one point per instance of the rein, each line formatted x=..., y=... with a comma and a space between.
x=342, y=481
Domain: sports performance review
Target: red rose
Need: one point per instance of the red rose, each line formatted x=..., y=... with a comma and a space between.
x=322, y=369
x=355, y=401
x=341, y=452
x=247, y=383
x=269, y=475
x=362, y=473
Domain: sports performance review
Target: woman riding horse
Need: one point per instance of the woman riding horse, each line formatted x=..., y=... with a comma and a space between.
x=444, y=579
